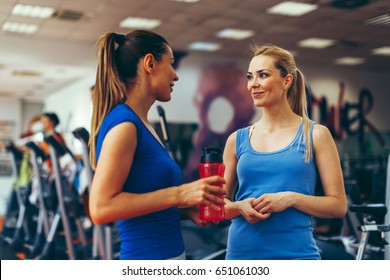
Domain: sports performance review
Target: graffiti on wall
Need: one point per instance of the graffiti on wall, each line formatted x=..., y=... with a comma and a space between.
x=347, y=118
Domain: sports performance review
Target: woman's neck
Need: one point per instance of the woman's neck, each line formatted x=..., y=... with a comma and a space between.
x=50, y=132
x=140, y=102
x=278, y=117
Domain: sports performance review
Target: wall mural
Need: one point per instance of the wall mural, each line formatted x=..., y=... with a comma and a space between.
x=224, y=105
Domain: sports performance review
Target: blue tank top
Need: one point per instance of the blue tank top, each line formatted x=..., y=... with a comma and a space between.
x=156, y=235
x=284, y=235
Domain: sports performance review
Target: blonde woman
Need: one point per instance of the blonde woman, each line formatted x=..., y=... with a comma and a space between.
x=271, y=167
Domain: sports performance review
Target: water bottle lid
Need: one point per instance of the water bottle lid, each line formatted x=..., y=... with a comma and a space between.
x=211, y=155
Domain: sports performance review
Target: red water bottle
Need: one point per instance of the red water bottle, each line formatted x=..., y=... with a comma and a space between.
x=211, y=164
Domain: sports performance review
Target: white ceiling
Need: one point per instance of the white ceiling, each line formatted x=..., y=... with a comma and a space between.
x=63, y=50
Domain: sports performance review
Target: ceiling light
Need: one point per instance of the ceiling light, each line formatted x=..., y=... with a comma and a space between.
x=291, y=8
x=381, y=51
x=186, y=1
x=19, y=27
x=235, y=34
x=32, y=11
x=204, y=46
x=26, y=73
x=141, y=23
x=316, y=43
x=348, y=60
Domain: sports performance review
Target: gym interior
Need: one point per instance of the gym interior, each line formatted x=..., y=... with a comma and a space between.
x=48, y=64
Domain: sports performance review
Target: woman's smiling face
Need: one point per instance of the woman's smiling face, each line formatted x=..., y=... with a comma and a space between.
x=165, y=76
x=265, y=83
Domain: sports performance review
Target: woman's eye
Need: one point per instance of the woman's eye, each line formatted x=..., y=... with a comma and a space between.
x=249, y=77
x=263, y=75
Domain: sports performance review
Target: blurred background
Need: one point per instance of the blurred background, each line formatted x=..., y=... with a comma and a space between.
x=48, y=63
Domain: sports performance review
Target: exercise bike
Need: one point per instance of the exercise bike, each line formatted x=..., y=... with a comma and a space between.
x=372, y=213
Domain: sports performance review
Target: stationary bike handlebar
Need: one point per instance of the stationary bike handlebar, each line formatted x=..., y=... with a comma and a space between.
x=58, y=147
x=82, y=134
x=38, y=151
x=10, y=147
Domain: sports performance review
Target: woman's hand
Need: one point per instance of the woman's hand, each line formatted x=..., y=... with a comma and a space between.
x=202, y=191
x=193, y=214
x=250, y=214
x=272, y=202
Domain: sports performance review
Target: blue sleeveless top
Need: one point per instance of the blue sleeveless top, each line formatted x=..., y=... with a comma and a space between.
x=156, y=235
x=284, y=235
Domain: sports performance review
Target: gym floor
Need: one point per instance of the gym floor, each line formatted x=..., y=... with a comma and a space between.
x=6, y=252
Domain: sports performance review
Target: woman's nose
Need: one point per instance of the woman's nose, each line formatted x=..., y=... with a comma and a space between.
x=253, y=83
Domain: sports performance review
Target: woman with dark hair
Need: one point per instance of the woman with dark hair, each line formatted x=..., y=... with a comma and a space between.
x=136, y=182
x=274, y=161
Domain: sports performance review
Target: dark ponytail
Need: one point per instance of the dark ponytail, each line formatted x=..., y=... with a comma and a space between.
x=118, y=58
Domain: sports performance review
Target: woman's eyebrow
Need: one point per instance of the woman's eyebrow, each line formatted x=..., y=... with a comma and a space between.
x=258, y=71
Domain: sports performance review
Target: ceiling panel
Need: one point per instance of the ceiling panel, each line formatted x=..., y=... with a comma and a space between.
x=69, y=45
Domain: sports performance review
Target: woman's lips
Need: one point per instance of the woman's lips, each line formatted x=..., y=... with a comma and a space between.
x=254, y=94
